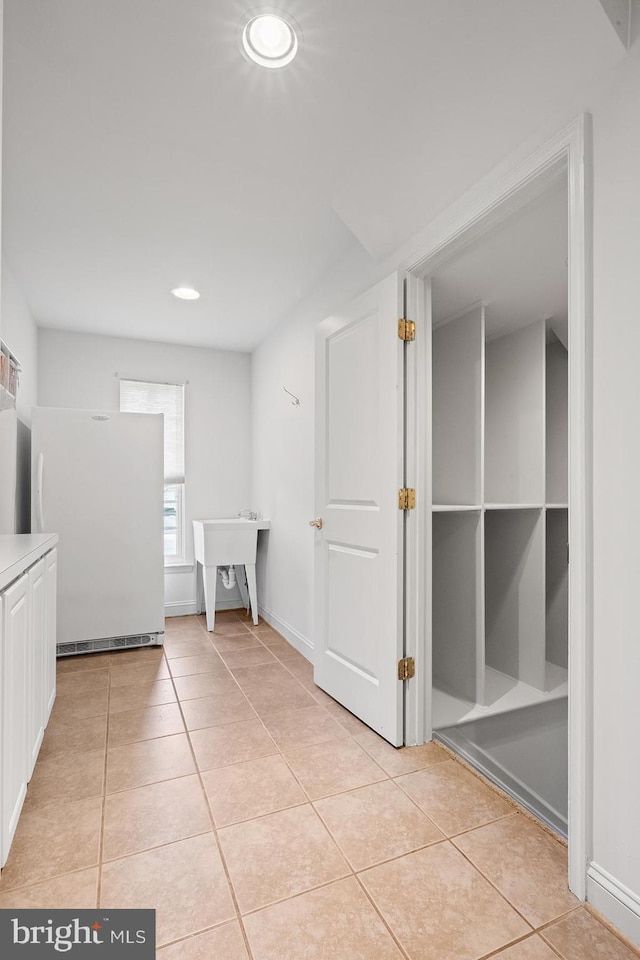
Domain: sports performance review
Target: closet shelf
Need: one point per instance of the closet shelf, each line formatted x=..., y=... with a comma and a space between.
x=455, y=507
x=513, y=506
x=460, y=507
x=503, y=694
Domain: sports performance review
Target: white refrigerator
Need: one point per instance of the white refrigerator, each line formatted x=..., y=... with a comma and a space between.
x=98, y=482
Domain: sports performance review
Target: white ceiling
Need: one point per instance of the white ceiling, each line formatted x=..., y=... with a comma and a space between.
x=141, y=151
x=518, y=270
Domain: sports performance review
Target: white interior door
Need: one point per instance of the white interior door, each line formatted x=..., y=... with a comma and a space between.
x=359, y=470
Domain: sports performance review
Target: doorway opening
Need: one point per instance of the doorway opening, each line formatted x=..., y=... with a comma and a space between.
x=500, y=503
x=489, y=586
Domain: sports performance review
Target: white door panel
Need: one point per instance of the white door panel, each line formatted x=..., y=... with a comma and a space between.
x=50, y=631
x=37, y=660
x=359, y=469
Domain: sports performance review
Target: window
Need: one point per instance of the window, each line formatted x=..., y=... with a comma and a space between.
x=137, y=396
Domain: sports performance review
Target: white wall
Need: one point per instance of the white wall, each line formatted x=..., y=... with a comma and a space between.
x=82, y=371
x=283, y=481
x=19, y=331
x=283, y=450
x=616, y=842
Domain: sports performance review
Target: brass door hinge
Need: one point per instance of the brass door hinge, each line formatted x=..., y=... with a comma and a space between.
x=406, y=329
x=406, y=498
x=406, y=668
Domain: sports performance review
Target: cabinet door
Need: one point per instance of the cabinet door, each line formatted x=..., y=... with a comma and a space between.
x=37, y=661
x=51, y=561
x=14, y=718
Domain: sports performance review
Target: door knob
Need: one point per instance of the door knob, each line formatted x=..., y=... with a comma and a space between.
x=316, y=523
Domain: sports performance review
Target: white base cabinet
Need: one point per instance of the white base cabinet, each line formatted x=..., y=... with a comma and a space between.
x=27, y=670
x=15, y=707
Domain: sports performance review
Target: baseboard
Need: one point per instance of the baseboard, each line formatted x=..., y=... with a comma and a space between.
x=181, y=608
x=619, y=904
x=187, y=608
x=235, y=603
x=297, y=640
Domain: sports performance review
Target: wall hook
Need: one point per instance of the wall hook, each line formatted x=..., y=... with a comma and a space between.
x=295, y=402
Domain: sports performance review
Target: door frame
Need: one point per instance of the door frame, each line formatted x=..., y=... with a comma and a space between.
x=497, y=196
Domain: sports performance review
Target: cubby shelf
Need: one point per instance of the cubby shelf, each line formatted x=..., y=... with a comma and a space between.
x=499, y=524
x=503, y=694
x=455, y=507
x=513, y=506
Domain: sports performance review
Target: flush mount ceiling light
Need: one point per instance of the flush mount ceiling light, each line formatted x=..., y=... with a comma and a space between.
x=270, y=39
x=185, y=293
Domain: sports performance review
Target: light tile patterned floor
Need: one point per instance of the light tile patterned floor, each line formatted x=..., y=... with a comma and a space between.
x=214, y=782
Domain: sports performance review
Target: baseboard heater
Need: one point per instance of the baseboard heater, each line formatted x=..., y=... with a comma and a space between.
x=109, y=643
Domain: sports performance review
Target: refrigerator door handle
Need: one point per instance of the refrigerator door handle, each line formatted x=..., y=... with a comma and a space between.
x=39, y=479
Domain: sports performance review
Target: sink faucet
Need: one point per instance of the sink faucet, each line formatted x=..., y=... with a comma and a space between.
x=248, y=514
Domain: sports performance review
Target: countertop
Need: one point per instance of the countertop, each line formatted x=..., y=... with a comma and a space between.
x=19, y=550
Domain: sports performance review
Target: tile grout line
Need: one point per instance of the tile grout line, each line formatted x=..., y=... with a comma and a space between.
x=62, y=802
x=157, y=846
x=551, y=923
x=541, y=930
x=479, y=826
x=279, y=753
x=516, y=809
x=329, y=833
x=492, y=884
x=514, y=943
x=296, y=896
x=323, y=886
x=104, y=797
x=448, y=836
x=405, y=953
x=378, y=863
x=602, y=920
x=57, y=876
x=503, y=895
x=215, y=836
x=192, y=936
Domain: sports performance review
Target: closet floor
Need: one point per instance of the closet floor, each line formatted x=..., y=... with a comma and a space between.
x=211, y=780
x=524, y=752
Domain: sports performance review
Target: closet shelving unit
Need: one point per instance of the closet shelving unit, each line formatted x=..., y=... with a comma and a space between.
x=499, y=519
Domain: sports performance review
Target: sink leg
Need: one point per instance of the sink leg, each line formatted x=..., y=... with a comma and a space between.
x=241, y=579
x=250, y=569
x=210, y=577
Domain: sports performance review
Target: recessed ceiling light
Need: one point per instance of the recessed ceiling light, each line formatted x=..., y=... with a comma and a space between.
x=270, y=40
x=185, y=293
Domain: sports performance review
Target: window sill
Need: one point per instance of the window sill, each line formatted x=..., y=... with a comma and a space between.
x=178, y=567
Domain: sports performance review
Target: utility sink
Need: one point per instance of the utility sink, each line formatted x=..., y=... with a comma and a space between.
x=227, y=542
